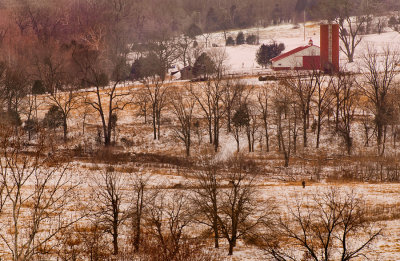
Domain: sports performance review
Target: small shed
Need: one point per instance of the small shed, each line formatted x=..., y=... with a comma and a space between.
x=301, y=58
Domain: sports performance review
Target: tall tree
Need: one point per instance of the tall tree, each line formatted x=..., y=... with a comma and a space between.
x=183, y=107
x=109, y=196
x=303, y=87
x=380, y=73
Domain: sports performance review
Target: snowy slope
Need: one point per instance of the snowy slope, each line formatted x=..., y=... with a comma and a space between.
x=241, y=59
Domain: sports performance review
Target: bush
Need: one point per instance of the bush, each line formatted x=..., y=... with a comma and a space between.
x=11, y=118
x=53, y=118
x=146, y=66
x=230, y=41
x=38, y=87
x=393, y=21
x=267, y=78
x=193, y=31
x=240, y=38
x=251, y=39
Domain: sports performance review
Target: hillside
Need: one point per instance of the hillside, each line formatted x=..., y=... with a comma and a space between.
x=308, y=155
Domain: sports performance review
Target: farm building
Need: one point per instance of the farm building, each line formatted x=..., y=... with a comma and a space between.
x=312, y=57
x=301, y=58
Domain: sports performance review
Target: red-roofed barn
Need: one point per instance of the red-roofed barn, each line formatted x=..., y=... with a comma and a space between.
x=301, y=58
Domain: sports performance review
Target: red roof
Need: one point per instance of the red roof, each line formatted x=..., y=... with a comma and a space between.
x=298, y=49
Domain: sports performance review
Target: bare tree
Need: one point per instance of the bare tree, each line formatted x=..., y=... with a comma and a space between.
x=350, y=25
x=104, y=66
x=337, y=84
x=14, y=86
x=240, y=119
x=109, y=196
x=349, y=34
x=251, y=127
x=209, y=96
x=348, y=102
x=303, y=88
x=185, y=46
x=167, y=219
x=108, y=99
x=207, y=195
x=183, y=106
x=323, y=102
x=139, y=200
x=379, y=73
x=143, y=103
x=327, y=229
x=37, y=191
x=285, y=120
x=239, y=214
x=157, y=93
x=232, y=92
x=263, y=102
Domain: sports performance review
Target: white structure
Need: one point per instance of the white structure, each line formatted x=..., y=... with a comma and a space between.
x=301, y=58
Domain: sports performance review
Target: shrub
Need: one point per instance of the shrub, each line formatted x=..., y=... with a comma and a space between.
x=230, y=41
x=53, y=118
x=193, y=31
x=393, y=21
x=251, y=39
x=11, y=118
x=38, y=87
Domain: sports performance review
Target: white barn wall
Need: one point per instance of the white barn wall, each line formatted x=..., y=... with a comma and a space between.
x=296, y=59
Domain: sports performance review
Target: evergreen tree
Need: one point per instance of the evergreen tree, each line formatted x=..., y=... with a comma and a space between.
x=211, y=20
x=53, y=118
x=268, y=51
x=251, y=39
x=230, y=41
x=193, y=31
x=38, y=88
x=146, y=66
x=240, y=38
x=203, y=66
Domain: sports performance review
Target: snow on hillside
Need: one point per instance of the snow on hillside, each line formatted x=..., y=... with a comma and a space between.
x=242, y=59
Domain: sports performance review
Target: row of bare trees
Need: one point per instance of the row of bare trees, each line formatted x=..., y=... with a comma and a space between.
x=300, y=102
x=46, y=211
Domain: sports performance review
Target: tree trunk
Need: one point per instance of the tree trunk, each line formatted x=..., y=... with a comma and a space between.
x=115, y=236
x=266, y=135
x=158, y=125
x=139, y=209
x=154, y=124
x=305, y=130
x=231, y=245
x=210, y=131
x=65, y=127
x=216, y=233
x=318, y=131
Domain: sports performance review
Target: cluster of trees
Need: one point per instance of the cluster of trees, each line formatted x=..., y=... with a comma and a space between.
x=298, y=105
x=394, y=23
x=46, y=212
x=240, y=39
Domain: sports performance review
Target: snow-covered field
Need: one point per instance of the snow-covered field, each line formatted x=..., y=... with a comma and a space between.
x=242, y=58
